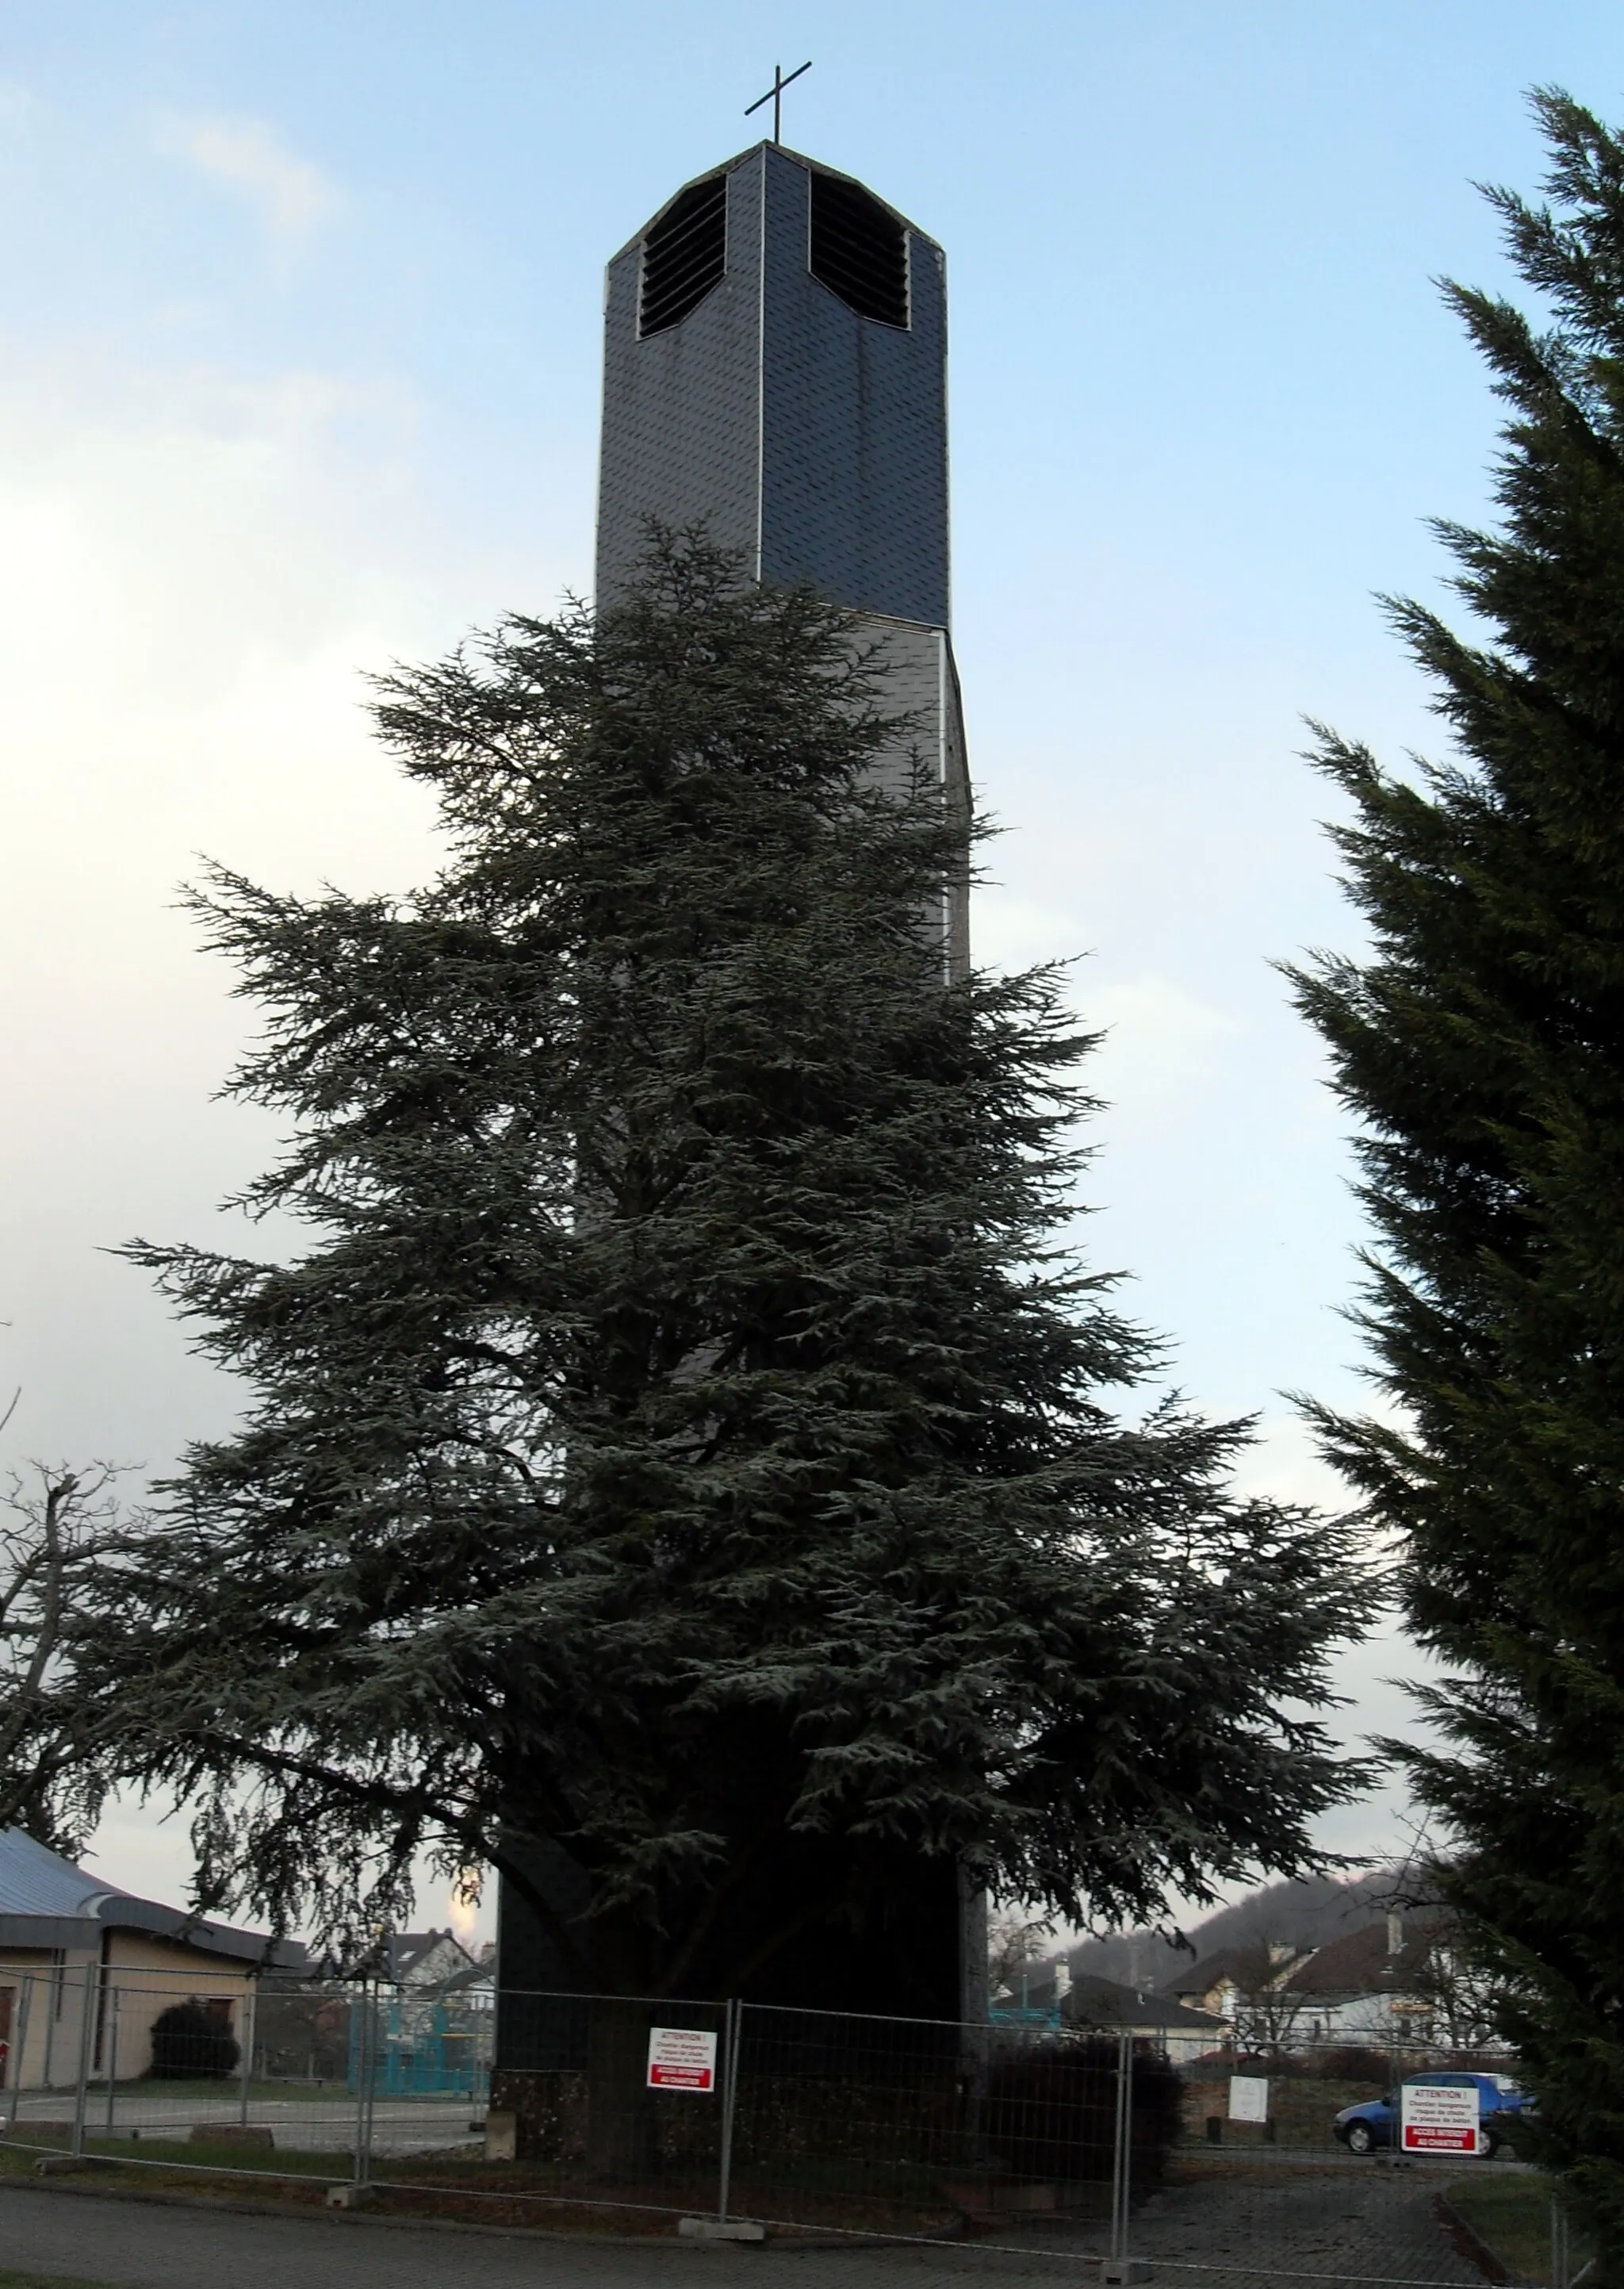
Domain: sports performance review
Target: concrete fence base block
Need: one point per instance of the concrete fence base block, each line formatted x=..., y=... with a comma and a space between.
x=1118, y=2272
x=703, y=2229
x=52, y=2166
x=351, y=2197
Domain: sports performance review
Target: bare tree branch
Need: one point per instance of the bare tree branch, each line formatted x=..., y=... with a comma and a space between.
x=57, y=1531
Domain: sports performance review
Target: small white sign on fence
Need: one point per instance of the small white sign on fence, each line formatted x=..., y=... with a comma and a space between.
x=1248, y=2098
x=1438, y=2119
x=681, y=2058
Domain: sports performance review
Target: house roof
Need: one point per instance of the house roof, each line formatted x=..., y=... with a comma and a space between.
x=1238, y=1966
x=46, y=1901
x=1102, y=2003
x=477, y=1974
x=409, y=1950
x=1361, y=1962
x=37, y=1882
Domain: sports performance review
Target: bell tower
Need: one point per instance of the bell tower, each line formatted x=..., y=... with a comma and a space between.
x=775, y=369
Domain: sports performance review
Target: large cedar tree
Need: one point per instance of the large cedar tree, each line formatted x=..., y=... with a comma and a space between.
x=684, y=1429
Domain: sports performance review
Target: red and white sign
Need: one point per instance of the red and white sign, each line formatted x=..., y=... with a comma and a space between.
x=681, y=2058
x=1438, y=2118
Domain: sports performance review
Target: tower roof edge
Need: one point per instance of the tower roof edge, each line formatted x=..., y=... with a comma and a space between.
x=740, y=159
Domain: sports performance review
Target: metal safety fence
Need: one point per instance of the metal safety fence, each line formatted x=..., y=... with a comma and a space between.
x=1367, y=2160
x=806, y=2120
x=211, y=2072
x=723, y=2119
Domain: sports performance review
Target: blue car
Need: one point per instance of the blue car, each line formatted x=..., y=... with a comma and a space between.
x=1362, y=2128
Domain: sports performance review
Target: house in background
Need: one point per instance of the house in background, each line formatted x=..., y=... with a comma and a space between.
x=1100, y=2006
x=1226, y=1983
x=436, y=2018
x=85, y=1968
x=1392, y=1986
x=429, y=1958
x=1050, y=1995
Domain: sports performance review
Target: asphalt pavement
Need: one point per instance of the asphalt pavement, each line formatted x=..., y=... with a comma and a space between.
x=142, y=2244
x=1269, y=2230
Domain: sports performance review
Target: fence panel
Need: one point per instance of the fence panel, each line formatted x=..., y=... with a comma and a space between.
x=920, y=2127
x=140, y=2068
x=614, y=2102
x=654, y=2115
x=1260, y=2183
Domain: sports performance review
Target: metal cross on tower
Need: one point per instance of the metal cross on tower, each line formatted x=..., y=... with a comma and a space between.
x=775, y=96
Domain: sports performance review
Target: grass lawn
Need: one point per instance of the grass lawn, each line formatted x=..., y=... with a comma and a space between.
x=179, y=2165
x=1513, y=2215
x=467, y=2188
x=1303, y=2107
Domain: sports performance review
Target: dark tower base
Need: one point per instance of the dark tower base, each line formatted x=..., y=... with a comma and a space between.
x=910, y=1940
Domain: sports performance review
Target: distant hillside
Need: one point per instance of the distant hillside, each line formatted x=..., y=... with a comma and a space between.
x=1308, y=1913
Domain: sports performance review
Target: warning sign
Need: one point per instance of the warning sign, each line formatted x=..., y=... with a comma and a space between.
x=1438, y=2118
x=681, y=2058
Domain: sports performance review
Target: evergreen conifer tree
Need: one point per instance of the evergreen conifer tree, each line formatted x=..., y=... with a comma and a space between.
x=1481, y=1044
x=683, y=1440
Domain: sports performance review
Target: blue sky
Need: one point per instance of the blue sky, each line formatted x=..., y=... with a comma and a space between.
x=298, y=372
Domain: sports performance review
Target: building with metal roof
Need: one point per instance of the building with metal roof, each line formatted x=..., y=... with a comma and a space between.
x=86, y=1969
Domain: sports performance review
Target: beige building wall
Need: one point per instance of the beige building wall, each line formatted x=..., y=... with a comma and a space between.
x=41, y=1995
x=46, y=1996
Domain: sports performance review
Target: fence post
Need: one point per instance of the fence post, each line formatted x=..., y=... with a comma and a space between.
x=730, y=2088
x=1121, y=2182
x=247, y=2066
x=112, y=2059
x=365, y=2075
x=52, y=2005
x=18, y=2059
x=82, y=2087
x=1559, y=2263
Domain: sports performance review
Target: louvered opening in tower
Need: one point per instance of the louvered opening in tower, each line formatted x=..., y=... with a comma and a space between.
x=859, y=250
x=684, y=255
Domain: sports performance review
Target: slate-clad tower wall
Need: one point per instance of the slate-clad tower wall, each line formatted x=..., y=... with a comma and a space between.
x=808, y=436
x=682, y=406
x=803, y=422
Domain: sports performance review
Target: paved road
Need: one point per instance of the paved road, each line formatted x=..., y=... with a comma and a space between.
x=1297, y=2227
x=308, y=2126
x=1302, y=2224
x=142, y=2245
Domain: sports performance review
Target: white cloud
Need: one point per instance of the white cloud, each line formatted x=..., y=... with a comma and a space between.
x=197, y=580
x=198, y=571
x=1285, y=1464
x=147, y=1848
x=1163, y=1046
x=290, y=194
